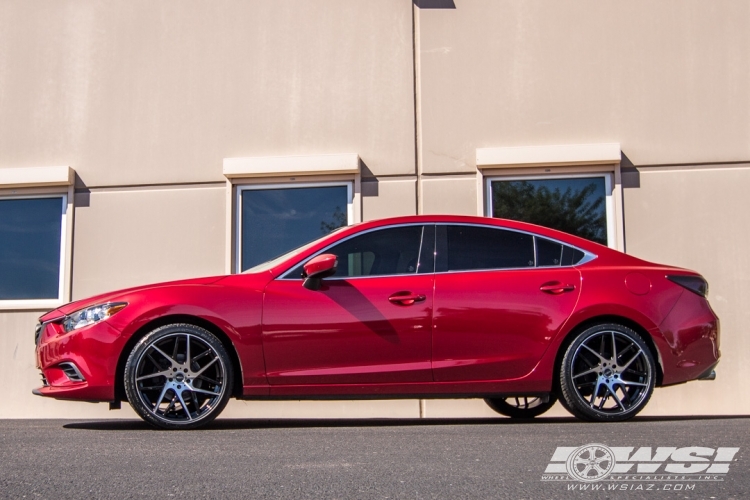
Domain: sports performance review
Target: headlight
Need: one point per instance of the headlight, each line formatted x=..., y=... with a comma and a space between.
x=91, y=315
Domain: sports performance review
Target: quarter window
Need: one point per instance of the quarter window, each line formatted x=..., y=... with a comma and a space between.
x=551, y=253
x=31, y=255
x=275, y=219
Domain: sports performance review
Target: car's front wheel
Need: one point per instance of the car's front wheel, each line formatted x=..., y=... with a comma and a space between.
x=607, y=374
x=521, y=406
x=178, y=377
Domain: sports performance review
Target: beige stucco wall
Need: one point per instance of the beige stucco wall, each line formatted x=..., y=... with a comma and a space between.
x=138, y=92
x=128, y=237
x=667, y=80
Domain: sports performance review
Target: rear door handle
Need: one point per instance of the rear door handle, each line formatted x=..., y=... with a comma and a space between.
x=556, y=288
x=405, y=298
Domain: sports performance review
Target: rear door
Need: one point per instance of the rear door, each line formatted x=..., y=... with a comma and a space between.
x=500, y=297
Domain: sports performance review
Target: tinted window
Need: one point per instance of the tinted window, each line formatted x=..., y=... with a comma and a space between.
x=571, y=256
x=377, y=253
x=548, y=253
x=573, y=205
x=30, y=232
x=551, y=253
x=275, y=221
x=463, y=248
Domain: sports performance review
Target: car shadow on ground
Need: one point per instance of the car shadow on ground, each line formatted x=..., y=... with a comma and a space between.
x=285, y=423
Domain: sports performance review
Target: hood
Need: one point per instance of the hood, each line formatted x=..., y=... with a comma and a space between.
x=112, y=296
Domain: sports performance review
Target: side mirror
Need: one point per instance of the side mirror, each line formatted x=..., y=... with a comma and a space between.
x=317, y=268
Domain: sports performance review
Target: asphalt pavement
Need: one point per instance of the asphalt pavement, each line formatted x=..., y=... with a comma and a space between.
x=413, y=459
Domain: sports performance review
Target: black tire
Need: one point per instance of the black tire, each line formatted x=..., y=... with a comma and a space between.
x=178, y=376
x=607, y=374
x=521, y=406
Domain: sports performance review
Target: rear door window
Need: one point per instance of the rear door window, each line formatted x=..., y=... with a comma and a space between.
x=466, y=248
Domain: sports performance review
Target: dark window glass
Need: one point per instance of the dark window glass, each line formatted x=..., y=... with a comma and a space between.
x=379, y=253
x=472, y=247
x=571, y=256
x=573, y=205
x=275, y=221
x=548, y=253
x=30, y=232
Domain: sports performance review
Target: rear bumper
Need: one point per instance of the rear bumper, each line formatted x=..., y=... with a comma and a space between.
x=689, y=349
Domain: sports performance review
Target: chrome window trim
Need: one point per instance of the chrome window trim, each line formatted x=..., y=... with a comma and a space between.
x=587, y=256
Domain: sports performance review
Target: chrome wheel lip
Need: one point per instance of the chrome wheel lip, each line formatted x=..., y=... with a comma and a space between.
x=610, y=374
x=180, y=384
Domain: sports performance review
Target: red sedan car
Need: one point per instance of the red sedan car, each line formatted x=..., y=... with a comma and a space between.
x=411, y=307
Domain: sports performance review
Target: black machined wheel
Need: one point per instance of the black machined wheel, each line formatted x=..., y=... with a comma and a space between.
x=521, y=406
x=607, y=374
x=178, y=377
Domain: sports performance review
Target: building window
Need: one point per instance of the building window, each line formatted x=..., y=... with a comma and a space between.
x=273, y=219
x=576, y=204
x=32, y=248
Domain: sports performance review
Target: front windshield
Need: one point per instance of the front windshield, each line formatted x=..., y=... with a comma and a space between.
x=270, y=264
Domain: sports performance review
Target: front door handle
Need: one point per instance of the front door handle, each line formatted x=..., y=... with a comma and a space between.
x=556, y=288
x=405, y=298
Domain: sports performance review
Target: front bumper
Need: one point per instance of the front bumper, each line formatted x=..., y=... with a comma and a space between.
x=80, y=365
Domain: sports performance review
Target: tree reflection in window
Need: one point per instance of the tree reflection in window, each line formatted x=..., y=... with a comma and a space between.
x=572, y=205
x=337, y=220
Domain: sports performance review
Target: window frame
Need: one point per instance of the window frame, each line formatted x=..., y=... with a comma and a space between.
x=609, y=194
x=63, y=271
x=587, y=256
x=285, y=274
x=241, y=188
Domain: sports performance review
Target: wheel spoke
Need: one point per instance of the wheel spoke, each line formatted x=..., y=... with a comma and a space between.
x=207, y=379
x=199, y=372
x=637, y=384
x=155, y=348
x=592, y=370
x=203, y=391
x=593, y=352
x=184, y=406
x=614, y=395
x=161, y=397
x=174, y=349
x=164, y=373
x=614, y=347
x=626, y=365
x=187, y=350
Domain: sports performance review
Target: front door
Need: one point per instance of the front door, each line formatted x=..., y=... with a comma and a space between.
x=369, y=323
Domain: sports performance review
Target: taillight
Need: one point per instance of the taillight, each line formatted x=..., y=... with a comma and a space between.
x=695, y=284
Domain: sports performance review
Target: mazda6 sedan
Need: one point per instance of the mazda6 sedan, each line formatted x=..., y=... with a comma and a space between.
x=411, y=307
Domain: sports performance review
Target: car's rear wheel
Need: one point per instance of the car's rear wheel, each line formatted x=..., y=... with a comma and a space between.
x=178, y=377
x=521, y=406
x=607, y=374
